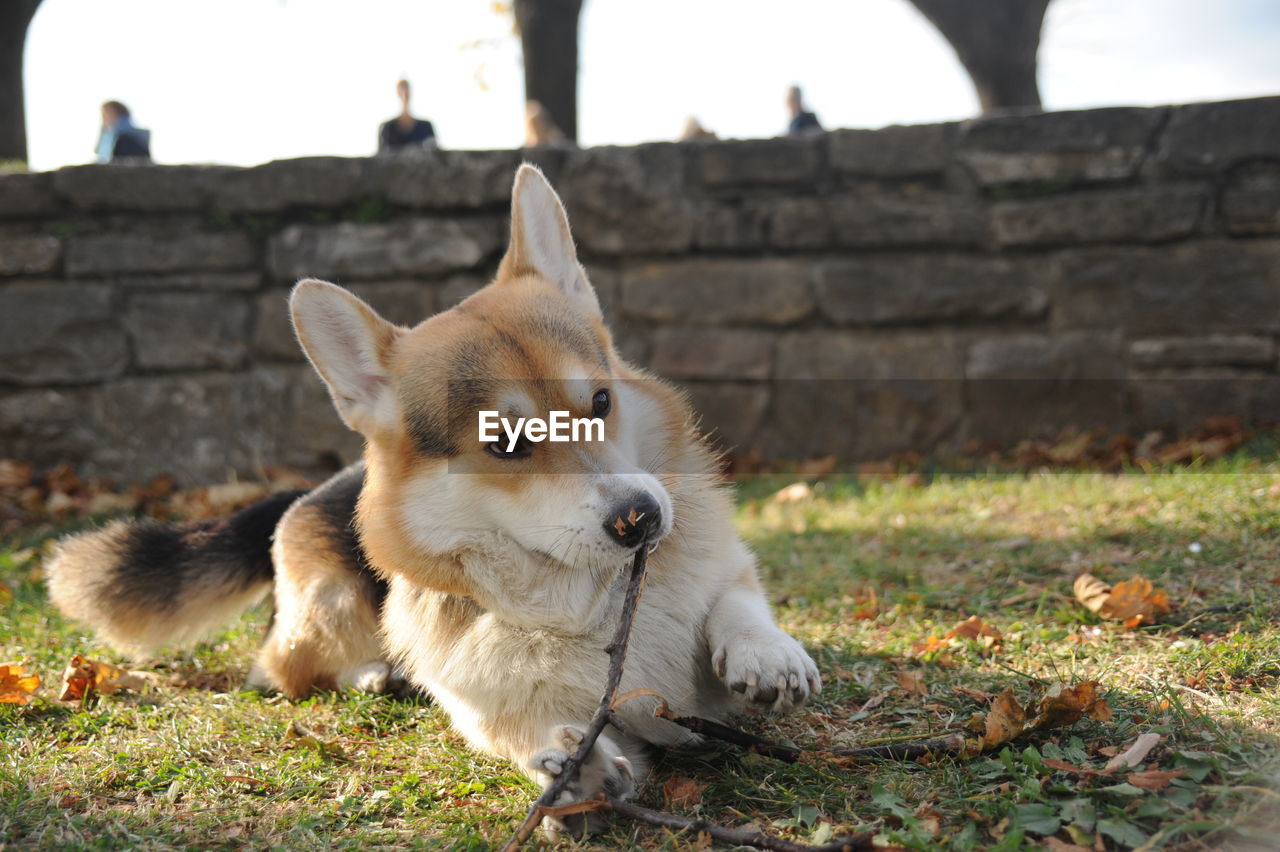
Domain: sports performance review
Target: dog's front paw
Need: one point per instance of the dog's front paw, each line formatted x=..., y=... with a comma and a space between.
x=606, y=770
x=767, y=669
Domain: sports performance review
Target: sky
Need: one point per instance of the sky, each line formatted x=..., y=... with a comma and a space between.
x=248, y=81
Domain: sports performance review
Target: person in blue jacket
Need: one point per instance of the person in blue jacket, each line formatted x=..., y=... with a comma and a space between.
x=802, y=121
x=120, y=139
x=404, y=131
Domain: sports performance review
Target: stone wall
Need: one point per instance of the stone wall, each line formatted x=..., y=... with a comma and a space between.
x=857, y=293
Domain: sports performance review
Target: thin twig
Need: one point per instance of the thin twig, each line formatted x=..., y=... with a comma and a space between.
x=733, y=836
x=617, y=651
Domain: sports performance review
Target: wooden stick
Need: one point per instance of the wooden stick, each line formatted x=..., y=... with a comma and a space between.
x=617, y=651
x=733, y=836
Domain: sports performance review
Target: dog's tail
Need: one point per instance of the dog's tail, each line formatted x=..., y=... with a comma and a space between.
x=145, y=585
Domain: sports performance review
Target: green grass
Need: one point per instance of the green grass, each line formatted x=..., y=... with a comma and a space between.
x=160, y=770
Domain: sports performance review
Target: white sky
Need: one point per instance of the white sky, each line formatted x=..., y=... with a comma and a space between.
x=247, y=81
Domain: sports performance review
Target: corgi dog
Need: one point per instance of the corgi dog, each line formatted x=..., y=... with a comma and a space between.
x=488, y=574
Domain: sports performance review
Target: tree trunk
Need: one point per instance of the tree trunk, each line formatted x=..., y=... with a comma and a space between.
x=15, y=16
x=996, y=41
x=549, y=39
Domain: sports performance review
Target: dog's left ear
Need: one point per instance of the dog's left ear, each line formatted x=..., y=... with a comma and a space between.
x=541, y=242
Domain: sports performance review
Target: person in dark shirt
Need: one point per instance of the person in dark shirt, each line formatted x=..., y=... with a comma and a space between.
x=404, y=131
x=120, y=139
x=802, y=121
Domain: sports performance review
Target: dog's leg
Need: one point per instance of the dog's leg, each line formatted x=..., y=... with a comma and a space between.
x=760, y=664
x=606, y=770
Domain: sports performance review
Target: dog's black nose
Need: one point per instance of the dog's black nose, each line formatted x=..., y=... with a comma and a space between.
x=632, y=519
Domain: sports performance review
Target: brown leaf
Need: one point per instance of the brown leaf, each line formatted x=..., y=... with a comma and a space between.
x=1065, y=705
x=1063, y=766
x=928, y=645
x=1154, y=779
x=1004, y=721
x=1053, y=844
x=6, y=594
x=913, y=683
x=796, y=492
x=974, y=628
x=1134, y=601
x=681, y=792
x=83, y=676
x=17, y=683
x=874, y=701
x=1135, y=753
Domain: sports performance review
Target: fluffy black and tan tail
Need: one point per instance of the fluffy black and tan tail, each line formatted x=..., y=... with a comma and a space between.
x=145, y=585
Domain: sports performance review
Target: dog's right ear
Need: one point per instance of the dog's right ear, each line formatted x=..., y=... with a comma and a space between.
x=349, y=345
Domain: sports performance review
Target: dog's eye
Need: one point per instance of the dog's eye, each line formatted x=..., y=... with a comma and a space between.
x=498, y=449
x=600, y=403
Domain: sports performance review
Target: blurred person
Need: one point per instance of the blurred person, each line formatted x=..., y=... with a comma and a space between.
x=404, y=131
x=693, y=130
x=119, y=138
x=539, y=129
x=802, y=121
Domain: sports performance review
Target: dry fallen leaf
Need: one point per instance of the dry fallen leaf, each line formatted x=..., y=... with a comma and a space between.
x=17, y=683
x=974, y=628
x=1006, y=719
x=83, y=676
x=976, y=694
x=1134, y=601
x=1053, y=844
x=1065, y=705
x=6, y=594
x=1134, y=754
x=1156, y=780
x=912, y=683
x=681, y=792
x=793, y=493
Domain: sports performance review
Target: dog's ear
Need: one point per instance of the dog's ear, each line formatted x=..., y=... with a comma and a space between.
x=348, y=344
x=541, y=242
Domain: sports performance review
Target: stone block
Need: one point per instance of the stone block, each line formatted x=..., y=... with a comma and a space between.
x=785, y=160
x=117, y=253
x=1180, y=404
x=683, y=352
x=1035, y=385
x=33, y=254
x=928, y=288
x=1212, y=137
x=188, y=331
x=139, y=186
x=628, y=200
x=893, y=152
x=366, y=251
x=405, y=303
x=1214, y=350
x=732, y=227
x=1250, y=201
x=199, y=427
x=1071, y=146
x=932, y=219
x=303, y=182
x=1197, y=288
x=203, y=281
x=730, y=414
x=442, y=180
x=273, y=336
x=54, y=332
x=27, y=195
x=863, y=396
x=315, y=437
x=1146, y=214
x=765, y=292
x=49, y=426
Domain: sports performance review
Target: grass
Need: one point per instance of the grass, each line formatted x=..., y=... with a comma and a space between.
x=194, y=763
